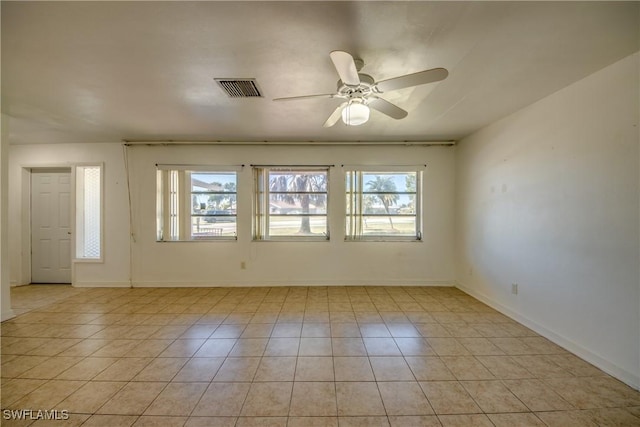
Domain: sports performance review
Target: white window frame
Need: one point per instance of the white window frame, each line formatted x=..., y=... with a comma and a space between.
x=173, y=202
x=354, y=219
x=261, y=205
x=79, y=220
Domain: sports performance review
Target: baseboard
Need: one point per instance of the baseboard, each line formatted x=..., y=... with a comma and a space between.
x=101, y=285
x=610, y=368
x=7, y=314
x=280, y=283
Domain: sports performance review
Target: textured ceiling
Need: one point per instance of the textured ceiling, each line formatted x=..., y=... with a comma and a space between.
x=108, y=71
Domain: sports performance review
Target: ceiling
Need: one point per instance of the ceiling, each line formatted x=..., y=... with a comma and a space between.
x=108, y=71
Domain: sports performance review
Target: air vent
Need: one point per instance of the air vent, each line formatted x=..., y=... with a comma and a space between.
x=239, y=88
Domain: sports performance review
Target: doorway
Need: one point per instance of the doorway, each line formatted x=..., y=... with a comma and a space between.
x=51, y=225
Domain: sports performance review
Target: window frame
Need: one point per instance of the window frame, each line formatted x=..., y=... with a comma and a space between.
x=353, y=231
x=261, y=204
x=174, y=202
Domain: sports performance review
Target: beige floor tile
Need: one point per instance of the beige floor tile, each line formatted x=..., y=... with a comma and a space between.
x=50, y=368
x=222, y=399
x=160, y=421
x=363, y=421
x=353, y=369
x=447, y=347
x=110, y=420
x=474, y=420
x=199, y=369
x=504, y=367
x=247, y=347
x=313, y=399
x=261, y=422
x=315, y=330
x=313, y=422
x=13, y=390
x=210, y=422
x=275, y=352
x=432, y=330
x=237, y=369
x=513, y=346
x=315, y=347
x=567, y=419
x=345, y=329
x=91, y=396
x=521, y=420
x=404, y=398
x=480, y=346
x=493, y=396
x=149, y=348
x=542, y=366
x=314, y=368
x=48, y=395
x=391, y=369
x=123, y=369
x=268, y=399
x=449, y=397
x=216, y=347
x=282, y=347
x=359, y=399
x=177, y=399
x=257, y=330
x=116, y=348
x=374, y=330
x=19, y=364
x=467, y=368
x=183, y=348
x=161, y=369
x=276, y=369
x=381, y=347
x=414, y=347
x=287, y=330
x=429, y=369
x=348, y=347
x=72, y=420
x=403, y=330
x=414, y=421
x=342, y=317
x=199, y=331
x=536, y=395
x=132, y=399
x=316, y=316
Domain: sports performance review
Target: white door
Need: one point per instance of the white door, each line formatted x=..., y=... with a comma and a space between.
x=51, y=226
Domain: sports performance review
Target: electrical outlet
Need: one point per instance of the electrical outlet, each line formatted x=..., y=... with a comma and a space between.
x=243, y=265
x=514, y=288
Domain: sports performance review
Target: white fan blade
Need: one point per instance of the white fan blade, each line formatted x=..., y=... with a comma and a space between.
x=293, y=98
x=387, y=108
x=415, y=79
x=335, y=116
x=346, y=67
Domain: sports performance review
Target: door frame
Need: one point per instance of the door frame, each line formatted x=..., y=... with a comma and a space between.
x=25, y=232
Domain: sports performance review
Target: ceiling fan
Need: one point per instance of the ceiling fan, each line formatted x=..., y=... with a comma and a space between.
x=360, y=91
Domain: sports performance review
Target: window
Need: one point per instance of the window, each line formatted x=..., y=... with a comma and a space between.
x=196, y=204
x=383, y=205
x=89, y=212
x=291, y=203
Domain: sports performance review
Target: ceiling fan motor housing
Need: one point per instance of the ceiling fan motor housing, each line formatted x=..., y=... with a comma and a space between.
x=361, y=91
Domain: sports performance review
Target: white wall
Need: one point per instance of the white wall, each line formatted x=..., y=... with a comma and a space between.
x=549, y=198
x=294, y=263
x=114, y=270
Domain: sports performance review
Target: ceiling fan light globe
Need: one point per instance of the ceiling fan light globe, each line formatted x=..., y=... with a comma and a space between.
x=355, y=114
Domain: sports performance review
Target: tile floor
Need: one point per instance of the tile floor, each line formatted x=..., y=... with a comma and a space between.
x=292, y=356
